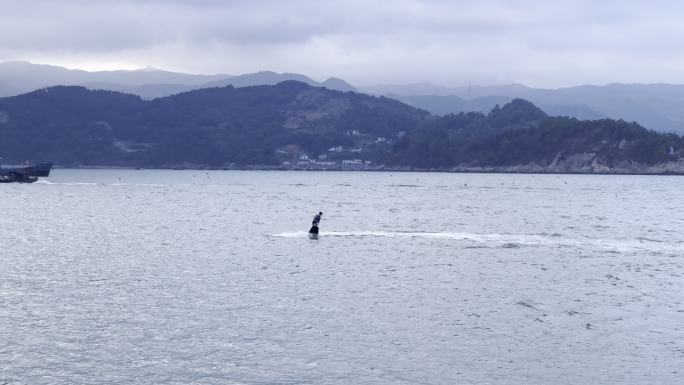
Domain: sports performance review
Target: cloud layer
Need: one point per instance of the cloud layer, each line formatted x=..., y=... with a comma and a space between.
x=539, y=43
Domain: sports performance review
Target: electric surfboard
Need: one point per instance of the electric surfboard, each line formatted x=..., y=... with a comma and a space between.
x=313, y=233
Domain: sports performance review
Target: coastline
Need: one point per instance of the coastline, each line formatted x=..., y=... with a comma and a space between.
x=533, y=169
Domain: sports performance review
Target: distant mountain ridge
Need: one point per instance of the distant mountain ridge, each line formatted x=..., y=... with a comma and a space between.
x=18, y=77
x=656, y=106
x=273, y=78
x=443, y=105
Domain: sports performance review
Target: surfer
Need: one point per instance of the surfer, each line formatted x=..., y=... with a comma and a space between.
x=316, y=219
x=314, y=225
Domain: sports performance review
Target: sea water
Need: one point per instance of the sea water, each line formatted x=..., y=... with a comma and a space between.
x=208, y=277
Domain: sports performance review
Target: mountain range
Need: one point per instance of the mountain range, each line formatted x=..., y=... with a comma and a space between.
x=18, y=77
x=295, y=125
x=656, y=106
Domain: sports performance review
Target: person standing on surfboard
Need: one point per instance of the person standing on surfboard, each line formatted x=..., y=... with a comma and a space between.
x=314, y=223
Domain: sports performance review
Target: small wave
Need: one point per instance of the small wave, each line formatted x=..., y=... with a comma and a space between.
x=404, y=185
x=146, y=184
x=66, y=183
x=644, y=239
x=527, y=304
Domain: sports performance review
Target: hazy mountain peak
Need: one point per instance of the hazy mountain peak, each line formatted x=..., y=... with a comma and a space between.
x=338, y=84
x=518, y=111
x=522, y=105
x=293, y=85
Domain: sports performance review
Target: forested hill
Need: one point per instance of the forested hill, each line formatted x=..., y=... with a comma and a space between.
x=213, y=127
x=294, y=125
x=470, y=142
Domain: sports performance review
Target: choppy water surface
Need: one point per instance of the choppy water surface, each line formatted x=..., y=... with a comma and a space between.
x=179, y=277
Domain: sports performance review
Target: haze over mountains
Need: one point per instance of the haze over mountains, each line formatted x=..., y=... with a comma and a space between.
x=18, y=77
x=655, y=106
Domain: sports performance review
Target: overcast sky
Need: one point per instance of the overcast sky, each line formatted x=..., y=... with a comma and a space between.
x=540, y=43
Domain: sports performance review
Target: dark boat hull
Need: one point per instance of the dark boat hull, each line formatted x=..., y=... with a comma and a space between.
x=28, y=174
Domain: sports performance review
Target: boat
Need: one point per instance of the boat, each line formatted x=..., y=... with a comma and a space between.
x=25, y=174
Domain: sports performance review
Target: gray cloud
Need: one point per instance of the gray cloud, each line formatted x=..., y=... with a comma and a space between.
x=537, y=42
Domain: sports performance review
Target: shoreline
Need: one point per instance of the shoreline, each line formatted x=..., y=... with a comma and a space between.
x=457, y=170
